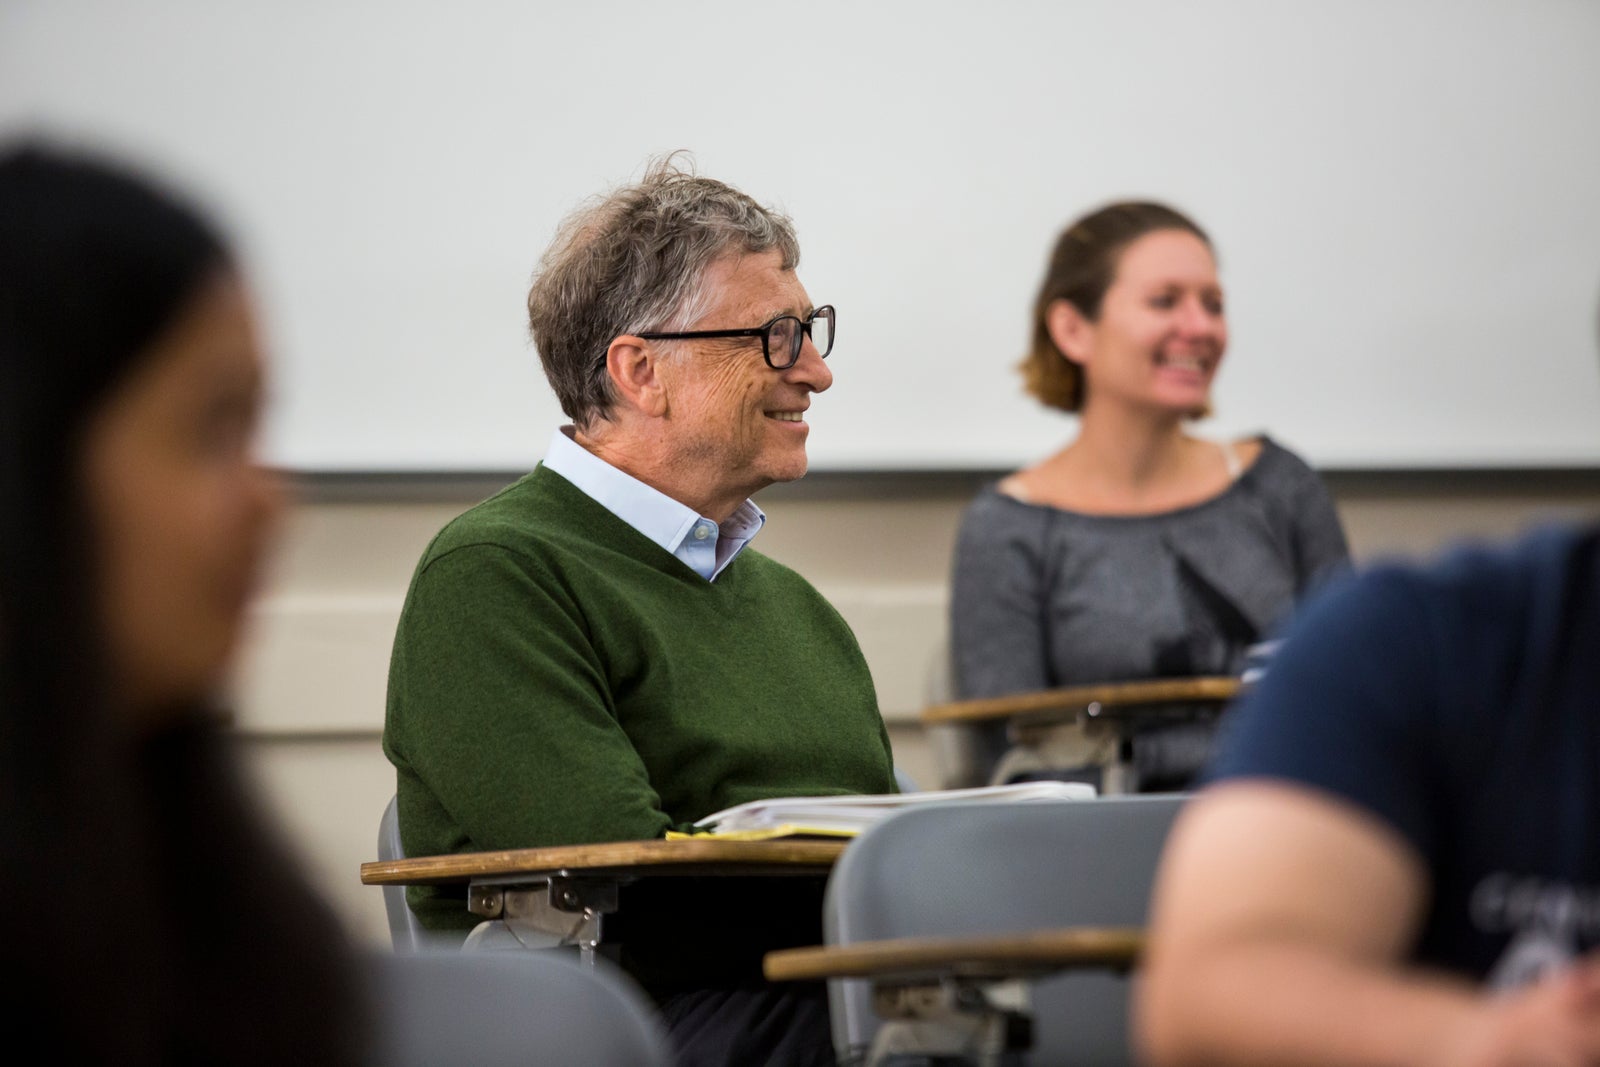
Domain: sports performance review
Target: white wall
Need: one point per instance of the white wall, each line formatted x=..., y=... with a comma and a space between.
x=1403, y=192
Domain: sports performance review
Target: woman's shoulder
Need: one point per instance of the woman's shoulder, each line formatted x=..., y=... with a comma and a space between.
x=1276, y=463
x=997, y=511
x=1000, y=497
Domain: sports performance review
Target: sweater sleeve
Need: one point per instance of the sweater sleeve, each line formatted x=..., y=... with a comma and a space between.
x=499, y=708
x=997, y=611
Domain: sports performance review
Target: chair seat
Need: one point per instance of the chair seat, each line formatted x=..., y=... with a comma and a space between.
x=509, y=1010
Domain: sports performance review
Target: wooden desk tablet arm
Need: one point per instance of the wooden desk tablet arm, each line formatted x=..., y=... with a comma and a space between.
x=987, y=956
x=562, y=894
x=1107, y=701
x=962, y=996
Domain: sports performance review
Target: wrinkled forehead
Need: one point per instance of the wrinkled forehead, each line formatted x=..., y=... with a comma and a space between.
x=753, y=288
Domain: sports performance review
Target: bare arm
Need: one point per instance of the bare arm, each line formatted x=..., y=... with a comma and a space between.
x=1279, y=919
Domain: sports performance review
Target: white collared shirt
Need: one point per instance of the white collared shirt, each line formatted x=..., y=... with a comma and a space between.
x=701, y=544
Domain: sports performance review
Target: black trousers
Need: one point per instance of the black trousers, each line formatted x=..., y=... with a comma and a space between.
x=696, y=946
x=761, y=1026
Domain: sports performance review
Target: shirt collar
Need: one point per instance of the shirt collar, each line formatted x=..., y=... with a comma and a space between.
x=657, y=516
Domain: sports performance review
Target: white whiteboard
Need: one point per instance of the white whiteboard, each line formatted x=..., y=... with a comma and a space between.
x=1405, y=195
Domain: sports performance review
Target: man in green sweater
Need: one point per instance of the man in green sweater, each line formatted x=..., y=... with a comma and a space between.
x=594, y=654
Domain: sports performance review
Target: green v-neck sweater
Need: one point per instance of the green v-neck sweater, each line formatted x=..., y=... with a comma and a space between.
x=557, y=678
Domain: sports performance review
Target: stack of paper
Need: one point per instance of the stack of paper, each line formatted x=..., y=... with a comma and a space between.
x=846, y=816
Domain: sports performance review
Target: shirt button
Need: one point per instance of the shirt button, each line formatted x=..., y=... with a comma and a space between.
x=702, y=532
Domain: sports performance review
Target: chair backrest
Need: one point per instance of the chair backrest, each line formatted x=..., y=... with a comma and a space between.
x=960, y=869
x=405, y=929
x=500, y=1009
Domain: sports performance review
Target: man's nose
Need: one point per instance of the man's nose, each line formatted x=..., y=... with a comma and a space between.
x=810, y=369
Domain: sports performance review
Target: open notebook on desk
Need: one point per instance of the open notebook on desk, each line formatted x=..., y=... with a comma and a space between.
x=847, y=816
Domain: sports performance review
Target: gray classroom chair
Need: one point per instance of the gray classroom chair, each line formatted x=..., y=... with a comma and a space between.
x=405, y=931
x=505, y=1009
x=409, y=935
x=968, y=869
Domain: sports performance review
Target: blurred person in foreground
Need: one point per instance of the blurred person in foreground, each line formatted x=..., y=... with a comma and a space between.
x=1396, y=857
x=149, y=915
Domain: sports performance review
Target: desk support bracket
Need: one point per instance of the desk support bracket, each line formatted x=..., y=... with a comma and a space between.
x=954, y=1019
x=561, y=910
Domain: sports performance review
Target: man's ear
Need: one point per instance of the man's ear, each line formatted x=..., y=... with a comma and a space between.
x=1070, y=329
x=634, y=366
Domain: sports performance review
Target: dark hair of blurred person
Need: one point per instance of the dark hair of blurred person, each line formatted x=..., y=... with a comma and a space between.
x=149, y=915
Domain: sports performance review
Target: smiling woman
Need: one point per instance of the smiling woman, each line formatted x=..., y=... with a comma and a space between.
x=1138, y=550
x=149, y=917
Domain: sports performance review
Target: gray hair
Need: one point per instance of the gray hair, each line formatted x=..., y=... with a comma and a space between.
x=634, y=261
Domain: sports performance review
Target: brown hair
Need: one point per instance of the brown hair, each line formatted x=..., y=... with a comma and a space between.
x=1082, y=267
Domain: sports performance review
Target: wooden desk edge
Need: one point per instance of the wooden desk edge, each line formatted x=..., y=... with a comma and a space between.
x=1040, y=950
x=730, y=857
x=1112, y=694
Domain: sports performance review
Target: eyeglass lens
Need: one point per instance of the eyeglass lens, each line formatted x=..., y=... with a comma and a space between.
x=822, y=331
x=785, y=337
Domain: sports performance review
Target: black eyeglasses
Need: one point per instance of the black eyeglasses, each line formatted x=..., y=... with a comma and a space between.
x=781, y=339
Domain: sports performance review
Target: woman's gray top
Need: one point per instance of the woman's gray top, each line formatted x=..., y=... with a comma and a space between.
x=1044, y=597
